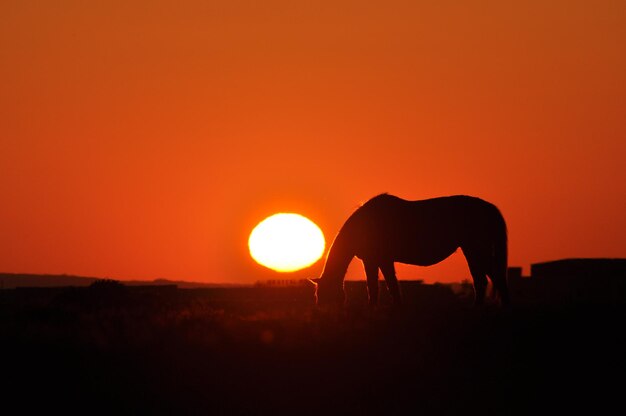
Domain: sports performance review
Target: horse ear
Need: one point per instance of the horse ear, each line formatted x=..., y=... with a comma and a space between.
x=314, y=282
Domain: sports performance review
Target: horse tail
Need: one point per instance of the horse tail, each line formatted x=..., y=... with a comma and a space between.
x=500, y=256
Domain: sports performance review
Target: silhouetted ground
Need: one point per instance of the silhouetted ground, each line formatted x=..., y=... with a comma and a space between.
x=120, y=350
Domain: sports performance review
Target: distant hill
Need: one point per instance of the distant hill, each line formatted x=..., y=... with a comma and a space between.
x=14, y=280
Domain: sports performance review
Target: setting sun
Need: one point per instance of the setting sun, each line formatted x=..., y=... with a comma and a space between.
x=286, y=242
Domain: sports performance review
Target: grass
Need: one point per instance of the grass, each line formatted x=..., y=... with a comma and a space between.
x=271, y=351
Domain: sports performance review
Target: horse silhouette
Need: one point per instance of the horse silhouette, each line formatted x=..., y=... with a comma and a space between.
x=387, y=229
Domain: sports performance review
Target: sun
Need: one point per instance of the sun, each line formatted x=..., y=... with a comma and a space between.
x=286, y=242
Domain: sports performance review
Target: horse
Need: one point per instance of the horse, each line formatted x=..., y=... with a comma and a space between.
x=387, y=229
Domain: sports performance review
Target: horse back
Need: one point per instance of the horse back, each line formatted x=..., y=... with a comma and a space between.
x=392, y=227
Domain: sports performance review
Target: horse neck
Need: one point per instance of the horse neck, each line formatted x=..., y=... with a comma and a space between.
x=339, y=257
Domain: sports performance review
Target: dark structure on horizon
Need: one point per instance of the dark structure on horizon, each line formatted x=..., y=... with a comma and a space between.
x=595, y=280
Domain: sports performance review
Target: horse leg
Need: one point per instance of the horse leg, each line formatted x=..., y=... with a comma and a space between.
x=498, y=278
x=389, y=272
x=478, y=269
x=371, y=273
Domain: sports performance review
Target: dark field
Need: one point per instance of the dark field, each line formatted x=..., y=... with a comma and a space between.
x=131, y=350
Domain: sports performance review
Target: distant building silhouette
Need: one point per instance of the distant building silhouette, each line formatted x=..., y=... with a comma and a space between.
x=596, y=268
x=579, y=280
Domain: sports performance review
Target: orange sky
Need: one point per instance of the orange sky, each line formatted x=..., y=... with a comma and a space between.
x=146, y=139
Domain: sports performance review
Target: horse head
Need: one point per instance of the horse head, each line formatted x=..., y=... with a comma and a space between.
x=328, y=292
